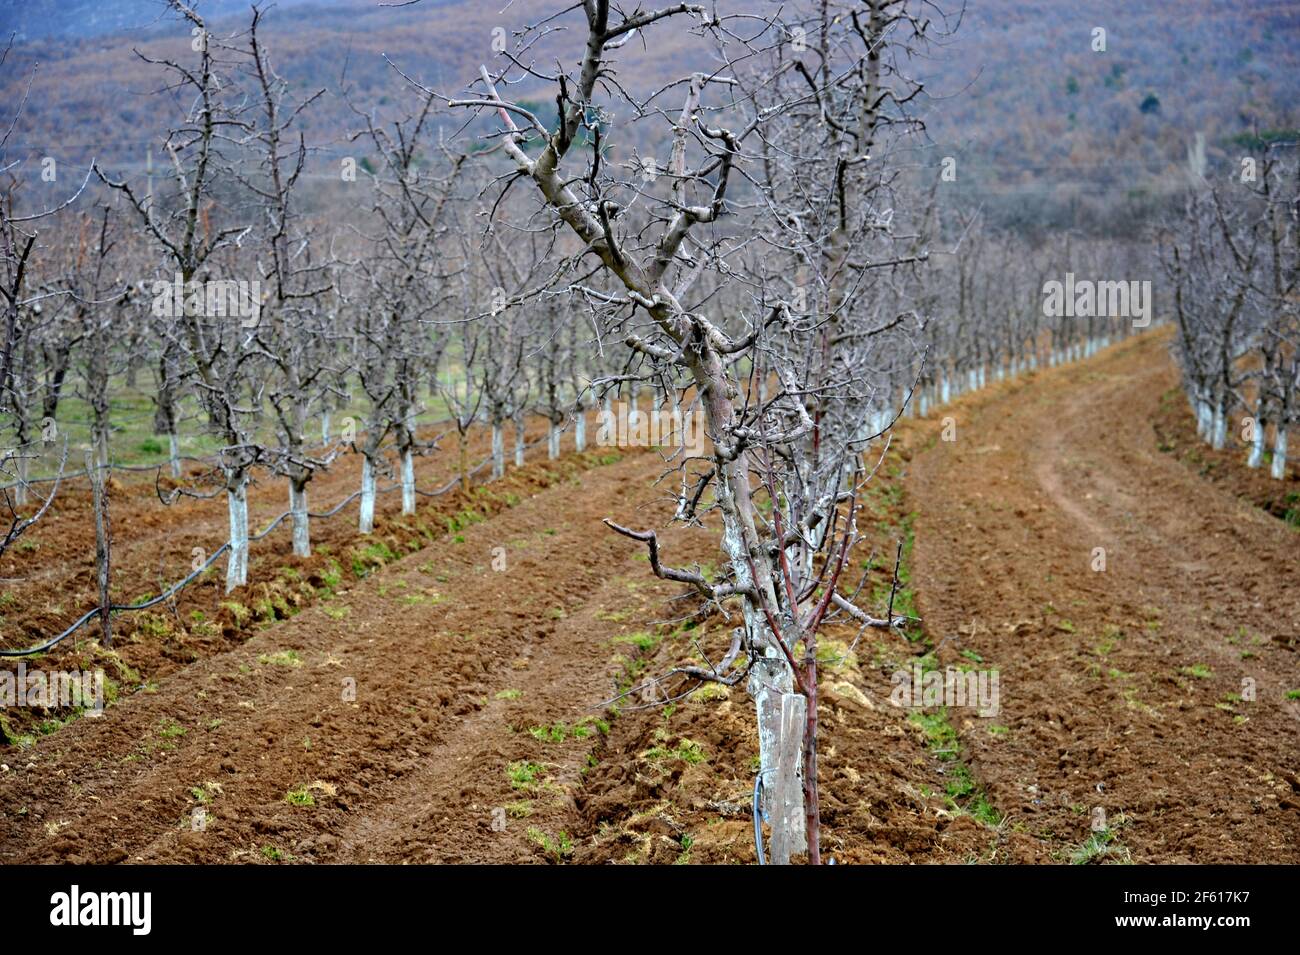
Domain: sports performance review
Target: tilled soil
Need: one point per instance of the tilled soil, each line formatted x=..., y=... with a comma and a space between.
x=1155, y=689
x=455, y=703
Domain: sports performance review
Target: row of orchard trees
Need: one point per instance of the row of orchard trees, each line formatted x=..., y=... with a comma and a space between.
x=286, y=332
x=1233, y=262
x=291, y=321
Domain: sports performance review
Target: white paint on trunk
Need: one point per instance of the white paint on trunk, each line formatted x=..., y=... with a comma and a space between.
x=1220, y=428
x=1278, y=470
x=301, y=525
x=325, y=427
x=367, y=520
x=237, y=561
x=553, y=442
x=498, y=450
x=580, y=431
x=785, y=782
x=1256, y=457
x=174, y=454
x=519, y=442
x=408, y=481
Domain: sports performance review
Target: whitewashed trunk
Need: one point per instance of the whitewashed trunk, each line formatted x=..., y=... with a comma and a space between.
x=174, y=454
x=498, y=451
x=520, y=443
x=1256, y=457
x=237, y=562
x=580, y=431
x=408, y=481
x=325, y=427
x=301, y=525
x=1279, y=454
x=1220, y=429
x=367, y=520
x=553, y=442
x=945, y=390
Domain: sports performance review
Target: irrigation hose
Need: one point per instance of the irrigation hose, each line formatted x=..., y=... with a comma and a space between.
x=175, y=588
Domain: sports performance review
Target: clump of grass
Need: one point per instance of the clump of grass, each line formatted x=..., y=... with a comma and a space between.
x=559, y=848
x=686, y=750
x=558, y=732
x=282, y=658
x=372, y=555
x=524, y=775
x=642, y=641
x=1100, y=846
x=332, y=575
x=237, y=610
x=962, y=791
x=509, y=694
x=1198, y=670
x=300, y=797
x=305, y=795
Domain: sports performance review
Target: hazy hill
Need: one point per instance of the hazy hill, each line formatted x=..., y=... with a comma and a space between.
x=1018, y=96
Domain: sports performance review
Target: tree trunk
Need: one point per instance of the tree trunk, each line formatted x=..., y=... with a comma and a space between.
x=498, y=451
x=408, y=481
x=237, y=563
x=174, y=454
x=463, y=462
x=102, y=553
x=21, y=463
x=100, y=441
x=298, y=513
x=1256, y=457
x=367, y=519
x=580, y=430
x=1279, y=453
x=1220, y=426
x=520, y=441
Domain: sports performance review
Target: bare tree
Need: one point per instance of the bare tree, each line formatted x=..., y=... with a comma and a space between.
x=643, y=245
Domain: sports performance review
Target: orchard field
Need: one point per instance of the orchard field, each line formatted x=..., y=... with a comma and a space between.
x=852, y=431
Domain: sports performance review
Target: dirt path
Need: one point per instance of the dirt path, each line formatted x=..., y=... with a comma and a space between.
x=1126, y=689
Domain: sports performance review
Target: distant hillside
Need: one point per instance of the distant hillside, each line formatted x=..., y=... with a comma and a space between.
x=80, y=19
x=1018, y=96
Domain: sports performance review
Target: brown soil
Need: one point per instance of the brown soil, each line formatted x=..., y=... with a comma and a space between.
x=1175, y=429
x=481, y=694
x=1121, y=689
